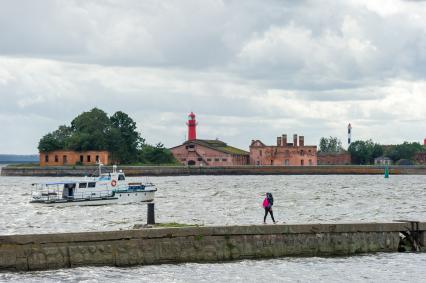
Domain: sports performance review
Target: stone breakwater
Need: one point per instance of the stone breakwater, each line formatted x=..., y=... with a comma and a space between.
x=229, y=170
x=199, y=244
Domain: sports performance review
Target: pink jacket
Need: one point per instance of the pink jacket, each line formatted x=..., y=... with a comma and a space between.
x=265, y=202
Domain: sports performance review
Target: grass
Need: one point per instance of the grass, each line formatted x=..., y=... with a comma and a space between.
x=175, y=225
x=29, y=164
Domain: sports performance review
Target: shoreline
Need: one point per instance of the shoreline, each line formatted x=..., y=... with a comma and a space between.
x=63, y=171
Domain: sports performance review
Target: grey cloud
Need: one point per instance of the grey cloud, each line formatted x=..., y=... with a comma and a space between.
x=250, y=69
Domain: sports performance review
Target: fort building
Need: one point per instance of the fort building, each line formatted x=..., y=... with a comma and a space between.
x=209, y=153
x=200, y=152
x=69, y=157
x=334, y=158
x=283, y=153
x=420, y=158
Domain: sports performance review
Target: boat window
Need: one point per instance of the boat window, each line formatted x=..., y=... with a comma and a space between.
x=121, y=177
x=92, y=184
x=82, y=185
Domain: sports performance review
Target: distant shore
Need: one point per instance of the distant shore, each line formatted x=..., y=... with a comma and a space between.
x=37, y=171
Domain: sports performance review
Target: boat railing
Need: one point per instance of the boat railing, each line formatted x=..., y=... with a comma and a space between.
x=53, y=192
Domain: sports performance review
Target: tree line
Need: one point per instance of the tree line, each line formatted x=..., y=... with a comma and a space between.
x=364, y=152
x=94, y=130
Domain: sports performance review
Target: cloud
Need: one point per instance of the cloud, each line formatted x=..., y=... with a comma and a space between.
x=249, y=69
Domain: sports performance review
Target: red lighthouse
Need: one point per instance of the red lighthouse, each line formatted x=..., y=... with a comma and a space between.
x=192, y=125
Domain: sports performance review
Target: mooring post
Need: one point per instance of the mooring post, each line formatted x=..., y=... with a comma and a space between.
x=151, y=214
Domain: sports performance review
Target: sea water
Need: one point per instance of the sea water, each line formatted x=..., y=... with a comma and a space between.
x=234, y=200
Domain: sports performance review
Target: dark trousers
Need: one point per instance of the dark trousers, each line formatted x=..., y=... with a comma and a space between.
x=268, y=209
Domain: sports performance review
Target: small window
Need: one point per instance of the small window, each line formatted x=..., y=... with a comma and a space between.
x=199, y=159
x=286, y=162
x=97, y=158
x=183, y=159
x=46, y=158
x=224, y=159
x=216, y=159
x=310, y=161
x=91, y=184
x=88, y=158
x=209, y=159
x=260, y=152
x=56, y=158
x=121, y=177
x=191, y=146
x=82, y=185
x=65, y=159
x=81, y=158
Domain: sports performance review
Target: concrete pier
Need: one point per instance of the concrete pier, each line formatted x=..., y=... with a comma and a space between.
x=199, y=244
x=224, y=170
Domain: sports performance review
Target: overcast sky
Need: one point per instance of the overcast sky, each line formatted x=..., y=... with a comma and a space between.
x=248, y=69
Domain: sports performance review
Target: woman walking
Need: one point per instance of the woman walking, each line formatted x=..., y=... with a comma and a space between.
x=267, y=205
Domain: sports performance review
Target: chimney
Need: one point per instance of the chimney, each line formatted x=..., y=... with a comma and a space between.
x=295, y=140
x=301, y=141
x=284, y=140
x=279, y=141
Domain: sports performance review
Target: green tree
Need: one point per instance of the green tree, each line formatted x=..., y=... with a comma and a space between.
x=405, y=150
x=56, y=140
x=91, y=130
x=125, y=140
x=331, y=144
x=157, y=154
x=364, y=152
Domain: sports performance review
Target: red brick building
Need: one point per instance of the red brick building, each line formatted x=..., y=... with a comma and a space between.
x=330, y=158
x=284, y=153
x=420, y=158
x=209, y=153
x=69, y=157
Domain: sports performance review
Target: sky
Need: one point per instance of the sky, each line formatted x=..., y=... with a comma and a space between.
x=248, y=69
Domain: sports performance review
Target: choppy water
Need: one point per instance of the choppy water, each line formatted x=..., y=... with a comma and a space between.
x=366, y=268
x=226, y=200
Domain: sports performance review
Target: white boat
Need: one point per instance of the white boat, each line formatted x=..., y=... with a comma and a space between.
x=105, y=189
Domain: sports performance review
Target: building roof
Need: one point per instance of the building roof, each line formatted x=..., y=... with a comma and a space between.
x=218, y=145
